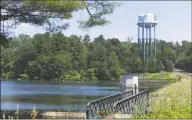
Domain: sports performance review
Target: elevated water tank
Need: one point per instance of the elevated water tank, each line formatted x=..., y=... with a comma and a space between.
x=147, y=19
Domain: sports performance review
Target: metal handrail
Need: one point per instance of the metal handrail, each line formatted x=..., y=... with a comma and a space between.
x=129, y=105
x=104, y=106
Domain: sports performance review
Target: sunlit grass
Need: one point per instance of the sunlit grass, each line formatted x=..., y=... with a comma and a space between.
x=159, y=76
x=173, y=101
x=171, y=106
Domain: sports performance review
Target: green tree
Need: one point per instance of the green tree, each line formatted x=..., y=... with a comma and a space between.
x=73, y=75
x=100, y=39
x=7, y=75
x=54, y=56
x=114, y=66
x=24, y=76
x=169, y=66
x=161, y=66
x=139, y=65
x=153, y=67
x=184, y=59
x=86, y=38
x=50, y=67
x=90, y=74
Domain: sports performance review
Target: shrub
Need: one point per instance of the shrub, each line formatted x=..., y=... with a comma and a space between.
x=7, y=75
x=90, y=74
x=169, y=66
x=73, y=75
x=24, y=76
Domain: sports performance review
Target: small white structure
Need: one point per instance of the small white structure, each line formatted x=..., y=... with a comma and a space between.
x=130, y=82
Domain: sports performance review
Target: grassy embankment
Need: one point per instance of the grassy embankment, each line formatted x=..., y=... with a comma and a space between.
x=166, y=76
x=173, y=100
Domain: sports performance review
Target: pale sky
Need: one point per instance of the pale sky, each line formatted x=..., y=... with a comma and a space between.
x=174, y=21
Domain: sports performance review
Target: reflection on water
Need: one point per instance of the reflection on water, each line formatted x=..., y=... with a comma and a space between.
x=55, y=96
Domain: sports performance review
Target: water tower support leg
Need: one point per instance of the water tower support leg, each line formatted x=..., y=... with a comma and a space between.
x=147, y=49
x=154, y=43
x=143, y=45
x=139, y=41
x=150, y=49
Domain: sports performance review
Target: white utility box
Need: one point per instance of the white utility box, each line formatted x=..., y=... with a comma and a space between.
x=130, y=82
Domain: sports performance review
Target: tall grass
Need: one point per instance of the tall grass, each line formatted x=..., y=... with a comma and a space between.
x=140, y=109
x=165, y=107
x=171, y=106
x=173, y=101
x=158, y=76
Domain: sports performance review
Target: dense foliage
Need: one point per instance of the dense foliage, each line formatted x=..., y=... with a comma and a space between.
x=54, y=56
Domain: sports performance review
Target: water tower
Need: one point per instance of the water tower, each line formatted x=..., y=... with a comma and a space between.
x=147, y=22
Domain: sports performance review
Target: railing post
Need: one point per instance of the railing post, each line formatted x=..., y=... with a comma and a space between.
x=147, y=102
x=87, y=113
x=135, y=89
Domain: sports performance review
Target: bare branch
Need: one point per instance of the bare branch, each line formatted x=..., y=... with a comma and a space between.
x=88, y=11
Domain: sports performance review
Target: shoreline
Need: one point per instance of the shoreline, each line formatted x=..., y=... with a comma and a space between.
x=140, y=81
x=50, y=81
x=38, y=114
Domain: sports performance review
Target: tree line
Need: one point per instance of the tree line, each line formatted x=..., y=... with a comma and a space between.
x=54, y=56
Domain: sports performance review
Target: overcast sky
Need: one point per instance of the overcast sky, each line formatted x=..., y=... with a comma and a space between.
x=174, y=21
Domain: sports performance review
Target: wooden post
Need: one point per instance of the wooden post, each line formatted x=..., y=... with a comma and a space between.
x=87, y=113
x=148, y=103
x=135, y=88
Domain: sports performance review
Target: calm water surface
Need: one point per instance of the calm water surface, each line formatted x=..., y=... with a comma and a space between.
x=55, y=96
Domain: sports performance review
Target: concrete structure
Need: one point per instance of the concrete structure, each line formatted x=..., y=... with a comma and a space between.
x=130, y=82
x=146, y=21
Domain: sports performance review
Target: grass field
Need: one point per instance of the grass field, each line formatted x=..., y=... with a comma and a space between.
x=159, y=76
x=173, y=101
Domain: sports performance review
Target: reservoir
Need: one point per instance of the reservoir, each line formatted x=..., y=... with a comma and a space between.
x=65, y=96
